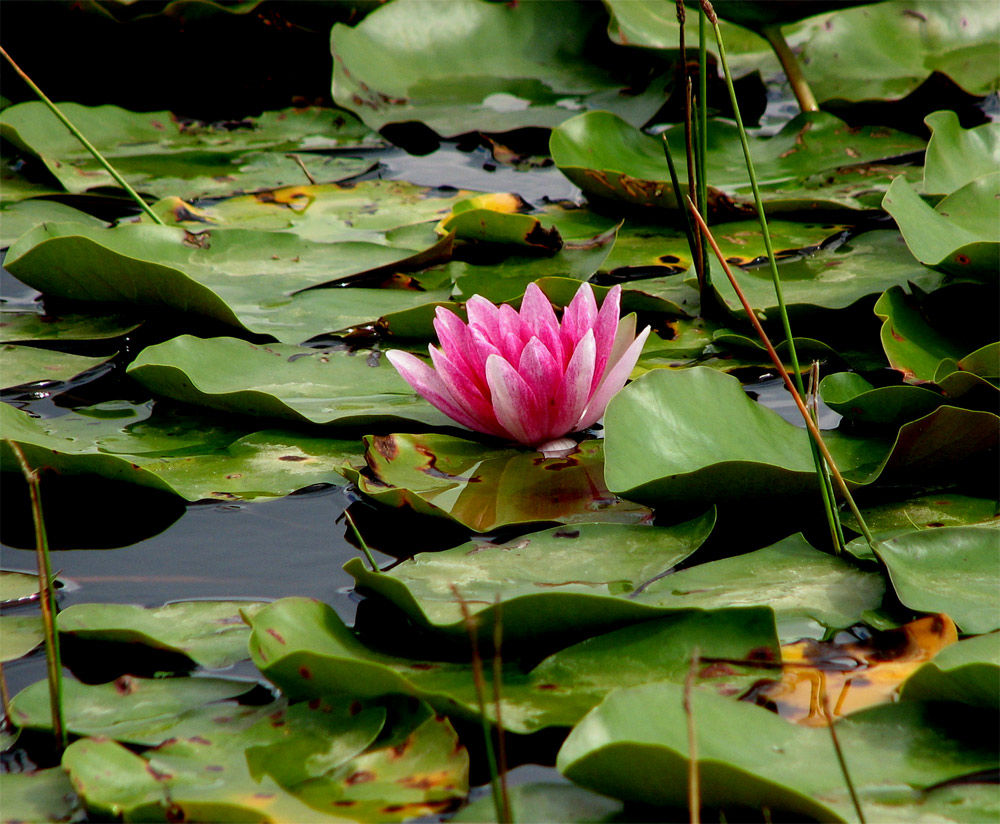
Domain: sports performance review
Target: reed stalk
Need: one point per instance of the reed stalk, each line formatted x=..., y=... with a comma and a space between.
x=47, y=599
x=364, y=546
x=52, y=107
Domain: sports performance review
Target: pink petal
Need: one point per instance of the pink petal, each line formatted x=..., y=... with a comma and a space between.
x=605, y=329
x=514, y=402
x=430, y=387
x=537, y=314
x=481, y=313
x=574, y=392
x=578, y=317
x=454, y=337
x=466, y=395
x=511, y=339
x=543, y=374
x=613, y=381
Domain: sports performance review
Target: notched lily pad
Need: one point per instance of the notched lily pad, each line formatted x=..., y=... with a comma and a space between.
x=483, y=488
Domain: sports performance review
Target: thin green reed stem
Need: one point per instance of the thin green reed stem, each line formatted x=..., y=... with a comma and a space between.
x=497, y=696
x=702, y=152
x=817, y=438
x=840, y=753
x=694, y=775
x=480, y=684
x=47, y=599
x=829, y=504
x=698, y=257
x=689, y=229
x=83, y=140
x=836, y=531
x=364, y=545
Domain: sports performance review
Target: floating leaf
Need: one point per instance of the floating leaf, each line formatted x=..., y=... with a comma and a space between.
x=158, y=153
x=305, y=649
x=954, y=569
x=293, y=383
x=966, y=672
x=565, y=580
x=240, y=277
x=957, y=156
x=548, y=803
x=20, y=216
x=483, y=488
x=855, y=675
x=28, y=364
x=831, y=278
x=17, y=587
x=704, y=440
x=613, y=161
x=855, y=398
x=41, y=795
x=211, y=633
x=360, y=210
x=888, y=49
x=19, y=635
x=635, y=746
x=177, y=453
x=133, y=710
x=473, y=65
x=958, y=235
x=23, y=327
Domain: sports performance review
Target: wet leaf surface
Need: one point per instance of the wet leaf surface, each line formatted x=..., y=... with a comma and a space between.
x=749, y=757
x=483, y=488
x=473, y=65
x=23, y=327
x=546, y=804
x=19, y=635
x=213, y=634
x=42, y=795
x=28, y=364
x=966, y=672
x=17, y=587
x=613, y=161
x=161, y=154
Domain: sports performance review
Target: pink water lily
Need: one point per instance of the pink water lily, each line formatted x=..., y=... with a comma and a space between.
x=524, y=375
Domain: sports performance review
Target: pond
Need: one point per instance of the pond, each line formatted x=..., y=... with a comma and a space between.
x=292, y=588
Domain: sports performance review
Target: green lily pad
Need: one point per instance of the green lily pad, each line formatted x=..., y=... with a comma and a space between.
x=41, y=795
x=330, y=387
x=545, y=804
x=961, y=802
x=760, y=14
x=613, y=161
x=211, y=633
x=855, y=398
x=305, y=649
x=304, y=763
x=19, y=635
x=472, y=65
x=887, y=50
x=957, y=156
x=954, y=569
x=177, y=453
x=704, y=440
x=559, y=581
x=240, y=277
x=483, y=488
x=162, y=155
x=635, y=746
x=831, y=278
x=17, y=587
x=363, y=210
x=912, y=345
x=20, y=216
x=958, y=235
x=966, y=672
x=28, y=364
x=133, y=710
x=24, y=327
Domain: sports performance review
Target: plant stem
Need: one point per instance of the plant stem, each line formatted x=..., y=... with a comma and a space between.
x=689, y=229
x=702, y=119
x=829, y=505
x=480, y=684
x=86, y=143
x=694, y=778
x=817, y=438
x=840, y=753
x=497, y=688
x=364, y=546
x=47, y=599
x=793, y=69
x=836, y=531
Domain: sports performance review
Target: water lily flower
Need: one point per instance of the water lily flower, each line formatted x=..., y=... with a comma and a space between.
x=525, y=376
